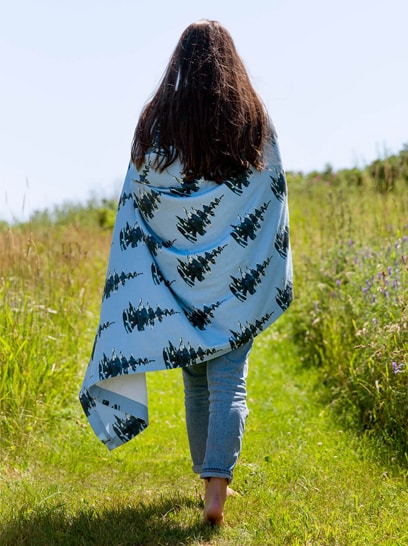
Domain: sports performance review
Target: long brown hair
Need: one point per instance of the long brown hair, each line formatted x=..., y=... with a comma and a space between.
x=205, y=110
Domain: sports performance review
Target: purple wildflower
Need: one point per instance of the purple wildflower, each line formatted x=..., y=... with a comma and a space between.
x=397, y=368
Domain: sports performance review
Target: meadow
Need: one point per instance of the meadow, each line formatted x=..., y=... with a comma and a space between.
x=325, y=453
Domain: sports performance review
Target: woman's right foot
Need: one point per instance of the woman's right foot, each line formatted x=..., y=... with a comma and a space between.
x=215, y=496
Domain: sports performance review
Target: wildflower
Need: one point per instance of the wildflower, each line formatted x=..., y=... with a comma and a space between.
x=397, y=368
x=385, y=293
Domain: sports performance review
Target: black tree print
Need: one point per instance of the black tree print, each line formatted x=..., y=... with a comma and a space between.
x=114, y=280
x=101, y=328
x=119, y=365
x=128, y=428
x=143, y=177
x=130, y=236
x=249, y=225
x=282, y=241
x=248, y=281
x=198, y=266
x=125, y=197
x=197, y=220
x=185, y=188
x=133, y=236
x=200, y=318
x=148, y=203
x=185, y=355
x=157, y=276
x=247, y=332
x=285, y=296
x=278, y=186
x=143, y=316
x=87, y=402
x=241, y=181
x=154, y=245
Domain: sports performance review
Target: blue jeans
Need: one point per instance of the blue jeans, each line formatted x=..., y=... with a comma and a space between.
x=216, y=411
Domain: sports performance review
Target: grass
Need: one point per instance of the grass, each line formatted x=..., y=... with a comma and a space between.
x=350, y=319
x=305, y=476
x=302, y=480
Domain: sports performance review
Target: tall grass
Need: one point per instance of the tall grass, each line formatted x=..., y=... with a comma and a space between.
x=350, y=319
x=49, y=275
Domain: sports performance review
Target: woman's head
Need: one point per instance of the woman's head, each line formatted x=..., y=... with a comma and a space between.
x=205, y=59
x=205, y=110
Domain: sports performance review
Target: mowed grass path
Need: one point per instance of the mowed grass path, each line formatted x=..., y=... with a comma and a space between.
x=302, y=480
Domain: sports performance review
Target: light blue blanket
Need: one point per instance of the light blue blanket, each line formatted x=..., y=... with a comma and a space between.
x=195, y=270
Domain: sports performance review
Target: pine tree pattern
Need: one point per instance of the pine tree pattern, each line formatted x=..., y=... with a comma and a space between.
x=249, y=225
x=197, y=220
x=157, y=276
x=185, y=188
x=285, y=296
x=154, y=245
x=241, y=181
x=143, y=178
x=128, y=428
x=282, y=241
x=114, y=280
x=247, y=332
x=250, y=279
x=124, y=198
x=198, y=266
x=143, y=316
x=119, y=365
x=101, y=328
x=87, y=402
x=278, y=186
x=130, y=236
x=148, y=203
x=134, y=236
x=185, y=355
x=200, y=318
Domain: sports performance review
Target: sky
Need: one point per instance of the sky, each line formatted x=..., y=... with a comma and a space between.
x=75, y=75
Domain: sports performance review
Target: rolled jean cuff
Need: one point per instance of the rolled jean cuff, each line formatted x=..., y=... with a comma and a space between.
x=217, y=474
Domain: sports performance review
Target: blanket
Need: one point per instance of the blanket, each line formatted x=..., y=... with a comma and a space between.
x=196, y=269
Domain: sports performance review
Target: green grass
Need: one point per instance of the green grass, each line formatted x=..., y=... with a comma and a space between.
x=302, y=480
x=350, y=316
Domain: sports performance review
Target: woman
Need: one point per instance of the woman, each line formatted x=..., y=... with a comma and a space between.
x=200, y=260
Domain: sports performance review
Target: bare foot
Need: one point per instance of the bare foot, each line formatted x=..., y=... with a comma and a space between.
x=215, y=496
x=230, y=492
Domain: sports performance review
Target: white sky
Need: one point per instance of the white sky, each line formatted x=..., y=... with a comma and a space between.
x=75, y=75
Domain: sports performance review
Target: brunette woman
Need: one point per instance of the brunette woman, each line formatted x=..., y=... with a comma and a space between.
x=200, y=261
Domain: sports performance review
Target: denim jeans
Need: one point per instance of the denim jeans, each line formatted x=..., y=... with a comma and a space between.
x=216, y=411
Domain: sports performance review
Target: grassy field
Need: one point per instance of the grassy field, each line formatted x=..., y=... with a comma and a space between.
x=318, y=465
